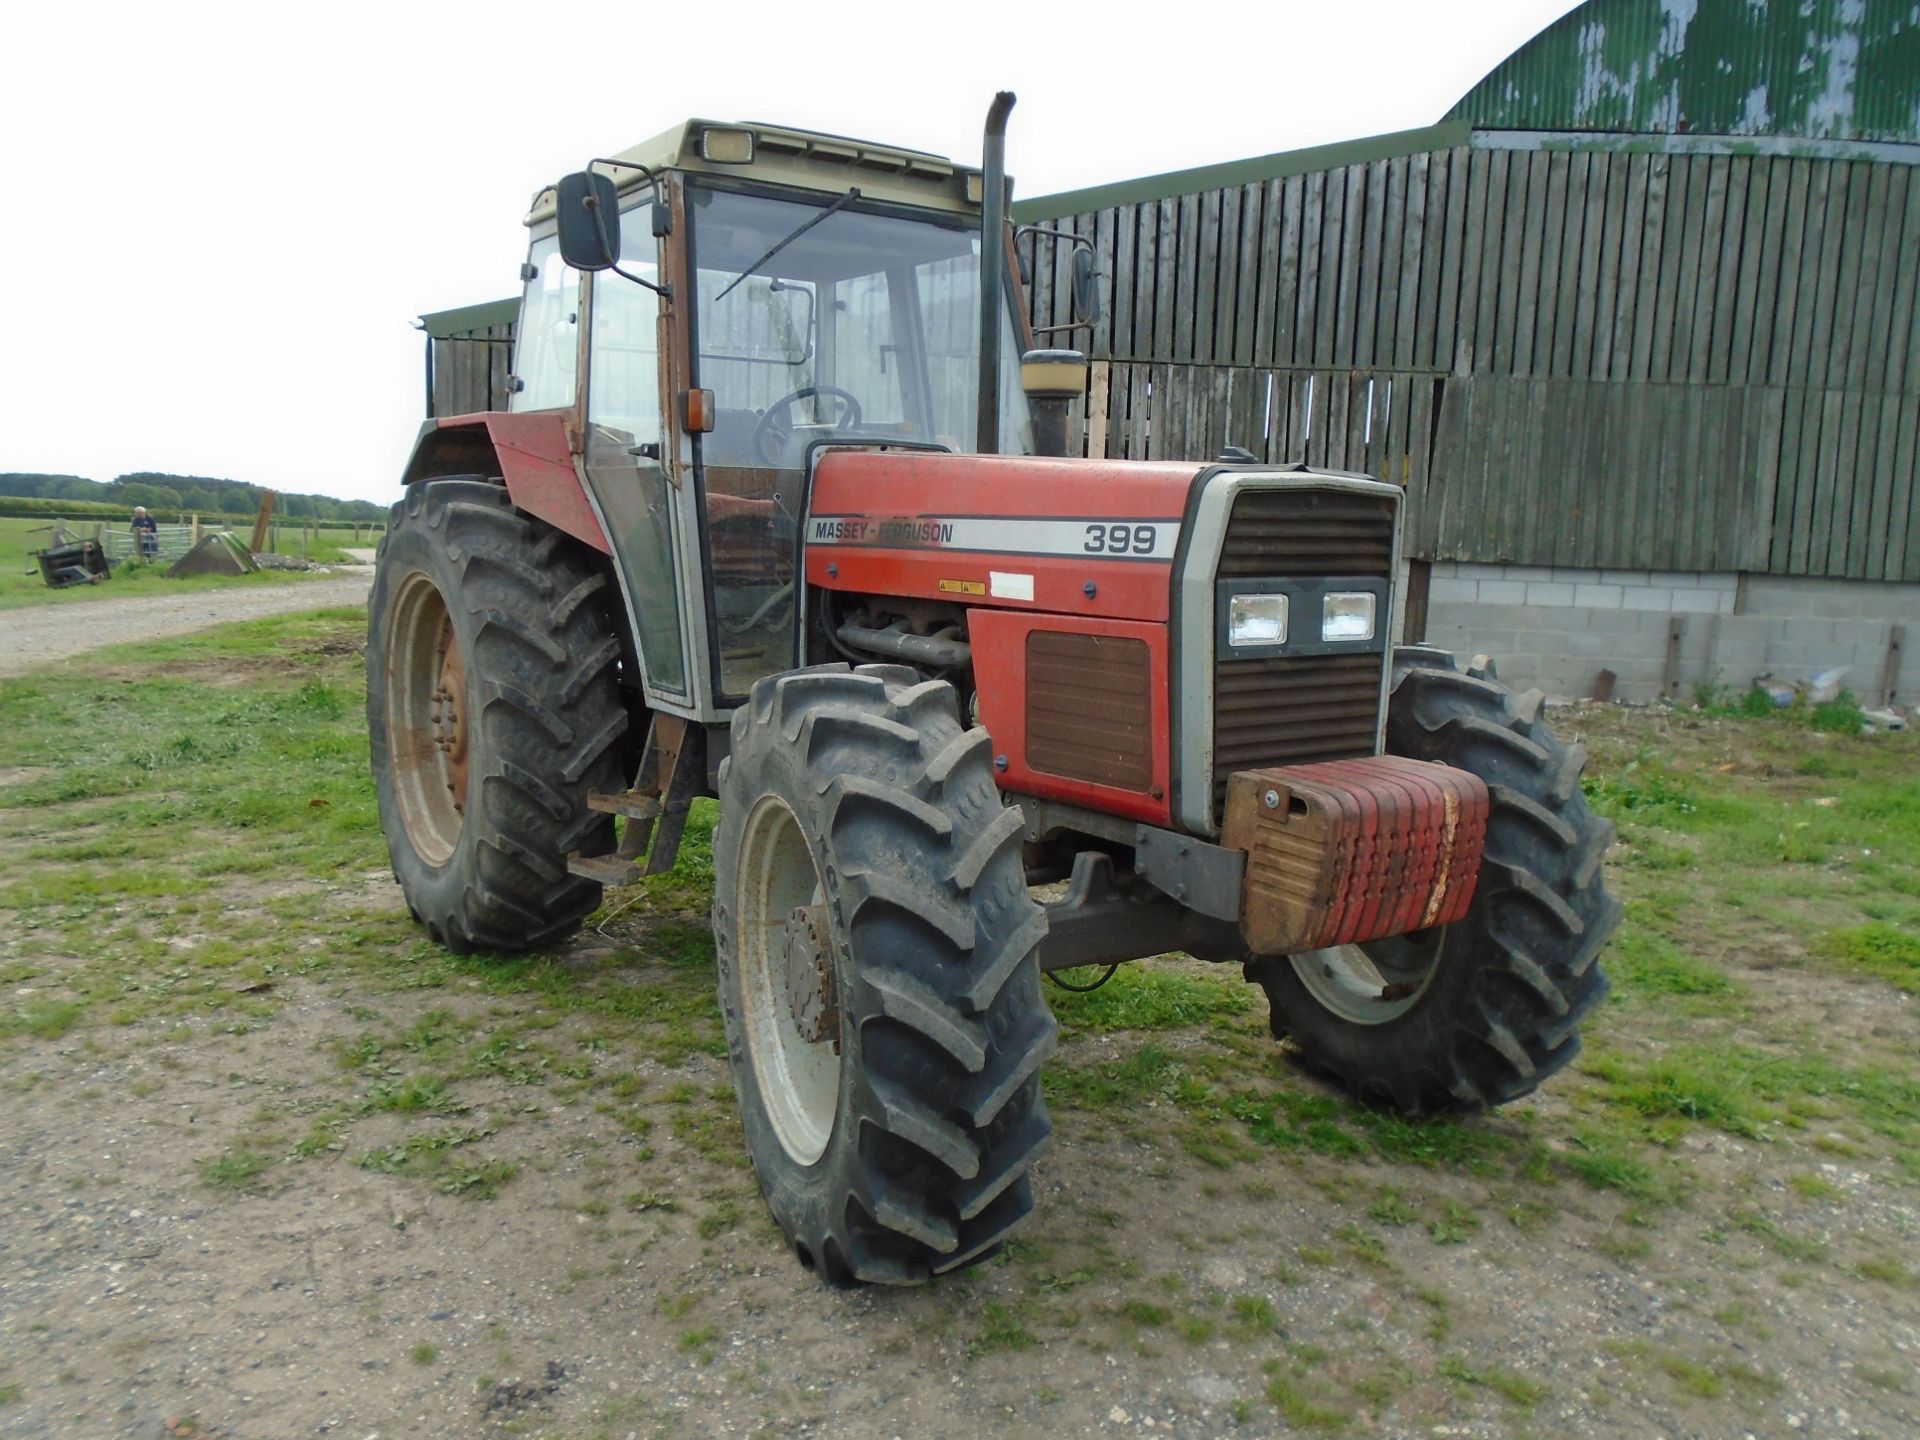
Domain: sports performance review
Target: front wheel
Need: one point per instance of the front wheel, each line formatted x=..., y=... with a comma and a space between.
x=1479, y=1012
x=878, y=978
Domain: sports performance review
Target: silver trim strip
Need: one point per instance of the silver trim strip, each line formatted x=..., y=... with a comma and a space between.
x=1093, y=537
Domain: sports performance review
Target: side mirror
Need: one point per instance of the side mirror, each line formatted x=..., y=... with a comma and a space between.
x=589, y=217
x=1086, y=294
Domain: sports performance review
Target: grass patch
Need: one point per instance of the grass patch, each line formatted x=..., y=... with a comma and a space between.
x=1645, y=791
x=1643, y=963
x=1881, y=950
x=1392, y=1208
x=1509, y=1385
x=1886, y=1270
x=1141, y=998
x=432, y=1156
x=1691, y=1083
x=46, y=1019
x=1704, y=1379
x=1304, y=1407
x=1002, y=1330
x=1839, y=716
x=236, y=1170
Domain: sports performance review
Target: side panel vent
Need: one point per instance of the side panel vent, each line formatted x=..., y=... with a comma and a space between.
x=1089, y=711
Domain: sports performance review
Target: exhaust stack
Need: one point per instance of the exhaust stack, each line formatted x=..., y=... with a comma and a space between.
x=993, y=265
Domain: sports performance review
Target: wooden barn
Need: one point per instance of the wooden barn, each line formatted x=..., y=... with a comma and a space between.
x=1636, y=325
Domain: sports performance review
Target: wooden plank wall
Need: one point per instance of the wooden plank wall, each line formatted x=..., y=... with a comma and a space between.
x=470, y=371
x=1641, y=361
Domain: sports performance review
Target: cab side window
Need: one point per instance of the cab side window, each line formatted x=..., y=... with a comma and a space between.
x=547, y=348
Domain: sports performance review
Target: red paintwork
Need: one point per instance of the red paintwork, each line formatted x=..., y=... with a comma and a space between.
x=999, y=639
x=907, y=485
x=926, y=482
x=535, y=460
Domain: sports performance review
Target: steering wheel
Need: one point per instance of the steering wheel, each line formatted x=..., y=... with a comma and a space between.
x=775, y=430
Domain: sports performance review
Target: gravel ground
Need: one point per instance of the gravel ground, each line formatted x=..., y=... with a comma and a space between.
x=39, y=635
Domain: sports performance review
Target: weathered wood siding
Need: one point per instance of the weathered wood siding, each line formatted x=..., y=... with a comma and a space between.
x=469, y=370
x=1569, y=356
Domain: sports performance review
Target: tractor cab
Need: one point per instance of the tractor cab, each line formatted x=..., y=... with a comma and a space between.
x=711, y=306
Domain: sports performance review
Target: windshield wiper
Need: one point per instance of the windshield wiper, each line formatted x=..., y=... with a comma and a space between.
x=845, y=200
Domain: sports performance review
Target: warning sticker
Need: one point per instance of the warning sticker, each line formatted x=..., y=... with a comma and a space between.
x=963, y=587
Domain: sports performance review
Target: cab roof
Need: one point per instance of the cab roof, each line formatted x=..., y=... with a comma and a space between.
x=806, y=159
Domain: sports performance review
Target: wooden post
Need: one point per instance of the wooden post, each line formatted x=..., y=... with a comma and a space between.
x=1413, y=627
x=261, y=521
x=1097, y=410
x=1890, y=670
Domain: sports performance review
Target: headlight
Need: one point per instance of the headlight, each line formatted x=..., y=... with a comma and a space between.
x=1257, y=620
x=1346, y=615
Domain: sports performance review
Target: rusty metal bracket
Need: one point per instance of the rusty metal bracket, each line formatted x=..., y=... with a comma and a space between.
x=682, y=769
x=1109, y=915
x=655, y=809
x=1203, y=877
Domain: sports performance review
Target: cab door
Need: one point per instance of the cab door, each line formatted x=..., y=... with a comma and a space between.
x=627, y=457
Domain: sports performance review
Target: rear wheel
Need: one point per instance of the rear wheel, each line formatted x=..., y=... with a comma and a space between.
x=877, y=974
x=492, y=710
x=1479, y=1012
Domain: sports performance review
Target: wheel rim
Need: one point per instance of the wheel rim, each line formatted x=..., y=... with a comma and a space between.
x=786, y=967
x=1374, y=983
x=427, y=720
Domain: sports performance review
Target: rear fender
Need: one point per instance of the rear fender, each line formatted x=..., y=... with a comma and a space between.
x=528, y=452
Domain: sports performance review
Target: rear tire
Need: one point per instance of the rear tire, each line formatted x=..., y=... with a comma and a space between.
x=1480, y=1012
x=893, y=1107
x=493, y=708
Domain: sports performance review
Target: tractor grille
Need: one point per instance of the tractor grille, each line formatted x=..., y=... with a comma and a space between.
x=1299, y=710
x=1308, y=535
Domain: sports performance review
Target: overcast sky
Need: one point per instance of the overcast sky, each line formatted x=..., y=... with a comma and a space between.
x=222, y=220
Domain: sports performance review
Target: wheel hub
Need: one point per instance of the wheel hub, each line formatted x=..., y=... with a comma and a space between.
x=426, y=704
x=811, y=993
x=1374, y=983
x=789, y=998
x=448, y=717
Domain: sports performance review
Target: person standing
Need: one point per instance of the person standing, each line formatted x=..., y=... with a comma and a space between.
x=146, y=533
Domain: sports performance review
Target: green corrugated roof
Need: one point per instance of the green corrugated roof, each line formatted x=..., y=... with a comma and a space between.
x=1822, y=69
x=1241, y=172
x=442, y=324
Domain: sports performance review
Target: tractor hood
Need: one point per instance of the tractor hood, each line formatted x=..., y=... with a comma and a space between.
x=1085, y=537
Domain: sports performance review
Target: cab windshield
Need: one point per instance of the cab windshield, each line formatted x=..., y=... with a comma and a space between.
x=863, y=326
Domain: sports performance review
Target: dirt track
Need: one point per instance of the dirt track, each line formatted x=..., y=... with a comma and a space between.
x=272, y=1166
x=45, y=634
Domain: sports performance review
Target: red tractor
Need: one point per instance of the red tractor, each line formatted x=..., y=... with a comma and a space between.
x=766, y=522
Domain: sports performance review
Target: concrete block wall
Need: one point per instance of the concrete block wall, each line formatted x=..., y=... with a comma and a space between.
x=1557, y=628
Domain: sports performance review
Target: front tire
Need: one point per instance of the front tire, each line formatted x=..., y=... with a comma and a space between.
x=493, y=709
x=878, y=978
x=1477, y=1013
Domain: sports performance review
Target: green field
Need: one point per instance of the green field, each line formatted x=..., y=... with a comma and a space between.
x=21, y=584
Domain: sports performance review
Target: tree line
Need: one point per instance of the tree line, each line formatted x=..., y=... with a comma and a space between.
x=200, y=494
